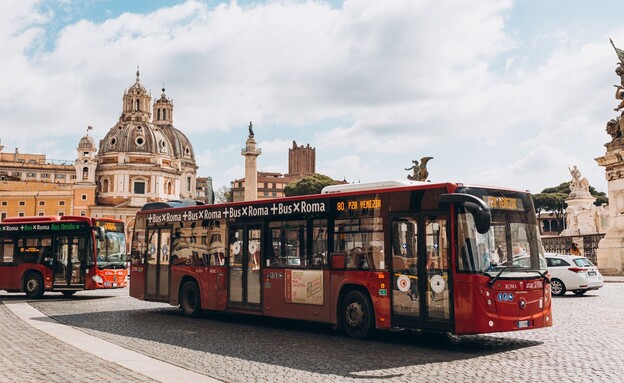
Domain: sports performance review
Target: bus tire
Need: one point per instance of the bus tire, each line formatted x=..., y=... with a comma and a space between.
x=358, y=318
x=33, y=285
x=190, y=301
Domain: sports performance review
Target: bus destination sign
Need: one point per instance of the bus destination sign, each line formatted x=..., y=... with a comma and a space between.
x=43, y=227
x=373, y=203
x=504, y=203
x=249, y=211
x=110, y=226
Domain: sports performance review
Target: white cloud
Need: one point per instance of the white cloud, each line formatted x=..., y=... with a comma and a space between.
x=404, y=78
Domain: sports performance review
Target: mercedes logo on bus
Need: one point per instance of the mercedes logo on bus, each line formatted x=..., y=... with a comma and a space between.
x=522, y=303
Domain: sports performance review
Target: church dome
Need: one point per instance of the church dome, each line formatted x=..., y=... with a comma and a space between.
x=86, y=143
x=132, y=137
x=181, y=145
x=136, y=133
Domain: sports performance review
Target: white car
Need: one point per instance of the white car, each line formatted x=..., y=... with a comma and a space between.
x=572, y=273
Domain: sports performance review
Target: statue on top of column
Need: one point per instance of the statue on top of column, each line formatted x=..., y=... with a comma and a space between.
x=251, y=133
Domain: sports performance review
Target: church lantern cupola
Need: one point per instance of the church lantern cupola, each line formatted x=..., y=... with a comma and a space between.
x=136, y=102
x=163, y=110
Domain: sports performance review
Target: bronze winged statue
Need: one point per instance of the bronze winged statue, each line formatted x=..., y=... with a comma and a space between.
x=420, y=172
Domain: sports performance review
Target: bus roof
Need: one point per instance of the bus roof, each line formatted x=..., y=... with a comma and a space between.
x=370, y=186
x=170, y=204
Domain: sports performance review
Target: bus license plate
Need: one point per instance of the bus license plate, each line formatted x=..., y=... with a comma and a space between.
x=523, y=323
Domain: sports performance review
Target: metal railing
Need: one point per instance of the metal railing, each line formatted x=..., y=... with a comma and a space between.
x=588, y=244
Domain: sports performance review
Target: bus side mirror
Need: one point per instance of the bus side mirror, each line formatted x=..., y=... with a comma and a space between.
x=100, y=233
x=474, y=205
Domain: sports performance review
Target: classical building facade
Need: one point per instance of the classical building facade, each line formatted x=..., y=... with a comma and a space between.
x=32, y=185
x=143, y=158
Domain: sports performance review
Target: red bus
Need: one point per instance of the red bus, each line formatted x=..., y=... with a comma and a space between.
x=66, y=254
x=432, y=256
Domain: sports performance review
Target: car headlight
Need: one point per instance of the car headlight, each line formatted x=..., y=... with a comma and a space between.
x=97, y=279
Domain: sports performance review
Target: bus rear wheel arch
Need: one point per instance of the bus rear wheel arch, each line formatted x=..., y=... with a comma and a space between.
x=357, y=315
x=190, y=300
x=33, y=285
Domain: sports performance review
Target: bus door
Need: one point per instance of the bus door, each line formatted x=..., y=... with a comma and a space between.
x=70, y=261
x=157, y=266
x=244, y=266
x=421, y=293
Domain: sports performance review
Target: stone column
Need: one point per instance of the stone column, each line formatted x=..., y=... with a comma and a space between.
x=251, y=167
x=611, y=247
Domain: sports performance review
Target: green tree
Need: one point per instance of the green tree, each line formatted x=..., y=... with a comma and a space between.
x=224, y=194
x=308, y=185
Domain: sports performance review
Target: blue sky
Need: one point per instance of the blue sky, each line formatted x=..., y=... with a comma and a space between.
x=506, y=93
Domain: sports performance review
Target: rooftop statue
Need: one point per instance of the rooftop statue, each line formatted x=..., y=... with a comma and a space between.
x=420, y=172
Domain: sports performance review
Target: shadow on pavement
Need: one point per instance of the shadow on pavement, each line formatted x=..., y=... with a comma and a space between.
x=166, y=334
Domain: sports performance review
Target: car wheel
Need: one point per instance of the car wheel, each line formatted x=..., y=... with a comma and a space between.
x=357, y=315
x=580, y=292
x=557, y=287
x=189, y=299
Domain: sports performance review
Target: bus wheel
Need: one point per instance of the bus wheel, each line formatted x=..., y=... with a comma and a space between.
x=33, y=285
x=357, y=315
x=189, y=299
x=68, y=293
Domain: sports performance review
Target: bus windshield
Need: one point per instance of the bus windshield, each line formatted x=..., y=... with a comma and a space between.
x=512, y=242
x=112, y=251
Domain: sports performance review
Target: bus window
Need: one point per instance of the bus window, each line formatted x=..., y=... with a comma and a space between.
x=295, y=236
x=276, y=255
x=6, y=250
x=319, y=244
x=288, y=244
x=362, y=240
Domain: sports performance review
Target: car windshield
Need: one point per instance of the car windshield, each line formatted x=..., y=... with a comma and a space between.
x=111, y=252
x=511, y=242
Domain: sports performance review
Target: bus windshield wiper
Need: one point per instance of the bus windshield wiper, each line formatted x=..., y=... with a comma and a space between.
x=499, y=274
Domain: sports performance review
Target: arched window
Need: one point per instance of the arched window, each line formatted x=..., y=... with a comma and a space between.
x=158, y=118
x=554, y=226
x=164, y=114
x=137, y=104
x=169, y=188
x=105, y=185
x=85, y=173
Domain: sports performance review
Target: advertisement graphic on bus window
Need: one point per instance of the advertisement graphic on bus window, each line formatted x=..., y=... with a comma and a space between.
x=304, y=286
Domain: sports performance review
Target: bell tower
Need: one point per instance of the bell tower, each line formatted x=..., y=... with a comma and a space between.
x=163, y=110
x=86, y=163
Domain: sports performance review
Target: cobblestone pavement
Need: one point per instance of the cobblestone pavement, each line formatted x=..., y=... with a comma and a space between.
x=29, y=355
x=584, y=345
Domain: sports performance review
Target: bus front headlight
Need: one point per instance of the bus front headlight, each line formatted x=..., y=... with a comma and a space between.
x=97, y=279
